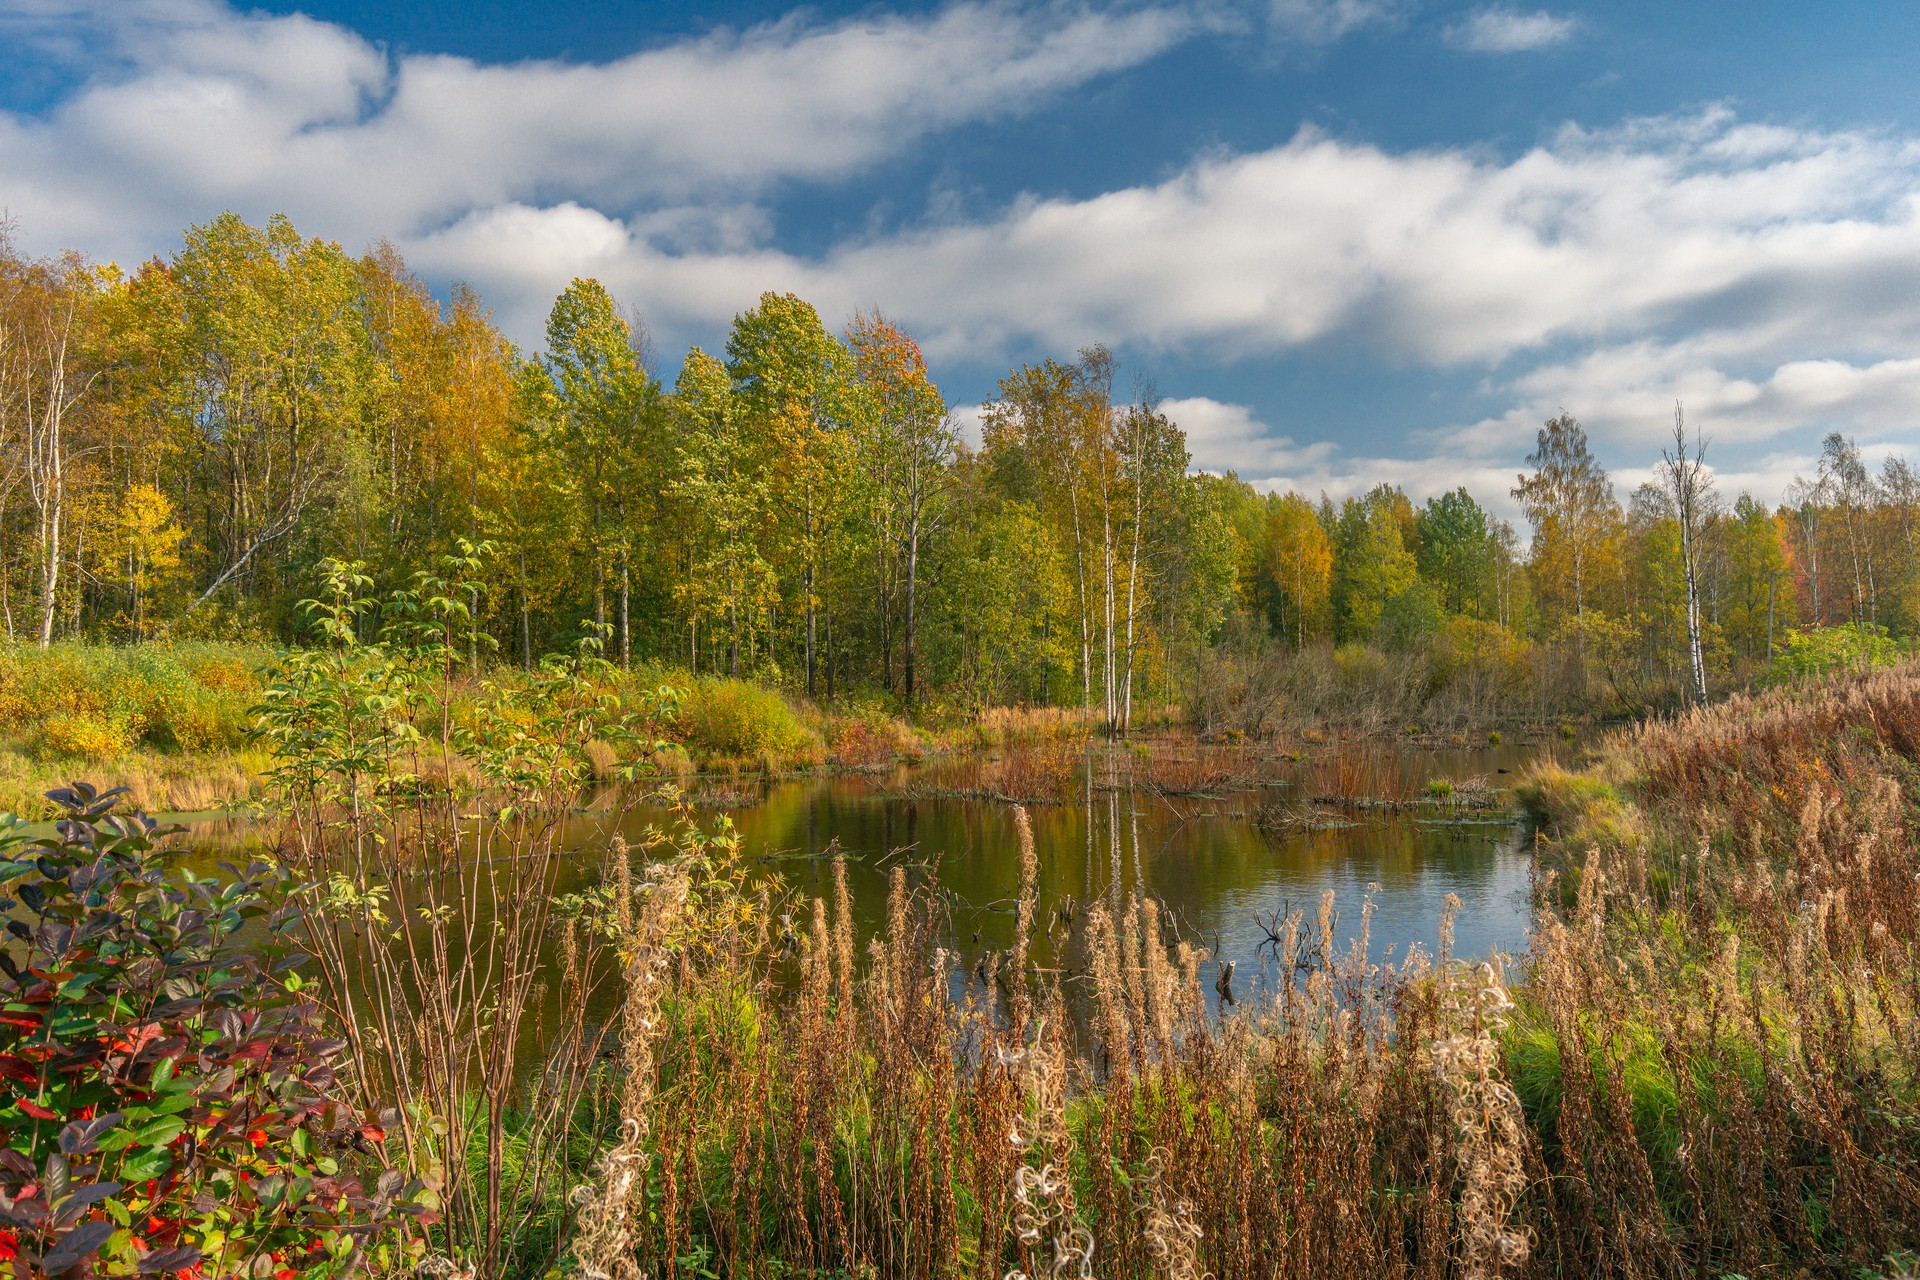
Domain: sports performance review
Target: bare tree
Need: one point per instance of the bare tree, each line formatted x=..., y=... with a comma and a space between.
x=1690, y=486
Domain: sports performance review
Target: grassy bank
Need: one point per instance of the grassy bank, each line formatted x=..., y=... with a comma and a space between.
x=1705, y=1066
x=1726, y=970
x=1708, y=1063
x=171, y=722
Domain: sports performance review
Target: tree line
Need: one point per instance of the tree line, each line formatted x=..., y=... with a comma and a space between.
x=180, y=443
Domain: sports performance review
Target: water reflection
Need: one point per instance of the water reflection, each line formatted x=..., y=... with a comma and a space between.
x=1216, y=869
x=1212, y=865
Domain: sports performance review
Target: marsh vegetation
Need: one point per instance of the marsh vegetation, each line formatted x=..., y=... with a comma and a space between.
x=648, y=1053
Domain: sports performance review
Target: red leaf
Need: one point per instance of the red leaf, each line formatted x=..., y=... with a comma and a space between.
x=37, y=1111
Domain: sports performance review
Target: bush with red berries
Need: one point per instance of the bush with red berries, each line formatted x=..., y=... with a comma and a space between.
x=168, y=1101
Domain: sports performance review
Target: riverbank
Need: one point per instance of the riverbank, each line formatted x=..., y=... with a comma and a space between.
x=1718, y=1047
x=171, y=723
x=1706, y=1061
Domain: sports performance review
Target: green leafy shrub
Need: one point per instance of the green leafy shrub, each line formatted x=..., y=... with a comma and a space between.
x=199, y=722
x=98, y=702
x=1819, y=650
x=169, y=1098
x=721, y=718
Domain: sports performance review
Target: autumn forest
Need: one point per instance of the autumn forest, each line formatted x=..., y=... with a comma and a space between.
x=182, y=442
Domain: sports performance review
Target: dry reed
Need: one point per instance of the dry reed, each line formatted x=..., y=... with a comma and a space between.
x=1707, y=1065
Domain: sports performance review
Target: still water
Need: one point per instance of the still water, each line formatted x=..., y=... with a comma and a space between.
x=1213, y=864
x=1217, y=868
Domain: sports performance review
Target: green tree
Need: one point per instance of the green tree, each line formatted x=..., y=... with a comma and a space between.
x=1576, y=522
x=1298, y=564
x=905, y=445
x=721, y=486
x=605, y=408
x=1459, y=554
x=1757, y=583
x=1372, y=562
x=263, y=361
x=791, y=377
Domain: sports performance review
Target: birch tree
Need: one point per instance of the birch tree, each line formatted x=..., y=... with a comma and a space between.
x=906, y=443
x=263, y=352
x=790, y=377
x=43, y=380
x=1689, y=486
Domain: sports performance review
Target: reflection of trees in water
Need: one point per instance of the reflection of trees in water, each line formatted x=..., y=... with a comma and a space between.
x=1204, y=859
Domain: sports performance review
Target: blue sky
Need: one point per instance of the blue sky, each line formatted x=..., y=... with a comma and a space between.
x=1347, y=240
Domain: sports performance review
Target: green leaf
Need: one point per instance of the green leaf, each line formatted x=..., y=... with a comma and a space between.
x=159, y=1132
x=150, y=1163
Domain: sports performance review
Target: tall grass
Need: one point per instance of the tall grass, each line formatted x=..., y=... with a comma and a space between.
x=733, y=723
x=1706, y=1064
x=167, y=721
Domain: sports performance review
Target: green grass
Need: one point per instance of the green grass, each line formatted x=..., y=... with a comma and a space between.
x=167, y=721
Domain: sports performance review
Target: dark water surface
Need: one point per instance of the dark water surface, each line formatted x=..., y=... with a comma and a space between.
x=1216, y=869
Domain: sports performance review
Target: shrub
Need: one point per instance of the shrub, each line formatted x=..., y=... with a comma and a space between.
x=199, y=722
x=723, y=718
x=1819, y=650
x=79, y=736
x=169, y=1099
x=1559, y=800
x=1471, y=649
x=96, y=702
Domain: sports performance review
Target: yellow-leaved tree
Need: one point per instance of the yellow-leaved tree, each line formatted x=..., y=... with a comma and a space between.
x=1299, y=561
x=143, y=544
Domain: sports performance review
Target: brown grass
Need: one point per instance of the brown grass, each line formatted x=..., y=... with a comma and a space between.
x=156, y=782
x=1709, y=1067
x=1357, y=773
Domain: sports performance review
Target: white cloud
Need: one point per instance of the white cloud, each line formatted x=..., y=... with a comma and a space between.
x=189, y=106
x=1769, y=243
x=1228, y=437
x=971, y=420
x=1231, y=437
x=1768, y=277
x=1624, y=396
x=1500, y=30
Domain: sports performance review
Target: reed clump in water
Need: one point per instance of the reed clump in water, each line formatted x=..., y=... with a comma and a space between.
x=890, y=1117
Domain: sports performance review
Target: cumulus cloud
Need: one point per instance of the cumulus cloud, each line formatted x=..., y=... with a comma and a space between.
x=1765, y=241
x=189, y=105
x=1229, y=437
x=1624, y=395
x=1225, y=437
x=1511, y=31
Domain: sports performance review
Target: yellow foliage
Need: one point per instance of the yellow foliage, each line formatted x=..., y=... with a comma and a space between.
x=82, y=737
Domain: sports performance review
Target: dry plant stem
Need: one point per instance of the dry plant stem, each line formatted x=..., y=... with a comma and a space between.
x=610, y=1207
x=1020, y=1007
x=429, y=927
x=1707, y=1068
